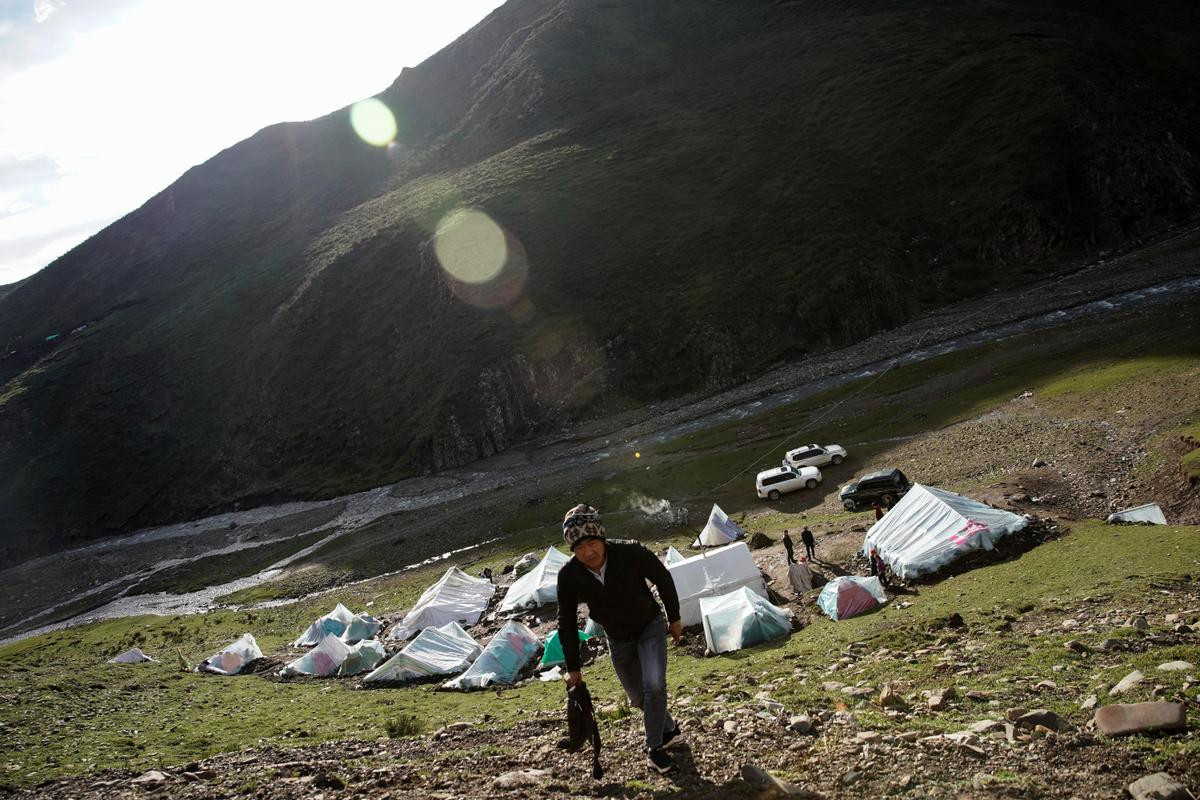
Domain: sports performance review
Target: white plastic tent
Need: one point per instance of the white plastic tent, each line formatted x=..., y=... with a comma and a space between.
x=673, y=556
x=501, y=661
x=231, y=660
x=340, y=622
x=719, y=530
x=714, y=573
x=444, y=650
x=538, y=586
x=741, y=619
x=132, y=656
x=1150, y=512
x=334, y=657
x=931, y=527
x=456, y=597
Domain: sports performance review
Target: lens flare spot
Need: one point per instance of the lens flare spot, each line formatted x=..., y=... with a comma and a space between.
x=637, y=455
x=470, y=246
x=373, y=121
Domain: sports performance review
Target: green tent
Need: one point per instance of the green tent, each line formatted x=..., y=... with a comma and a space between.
x=553, y=654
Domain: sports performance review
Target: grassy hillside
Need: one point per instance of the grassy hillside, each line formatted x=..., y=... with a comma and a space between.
x=688, y=194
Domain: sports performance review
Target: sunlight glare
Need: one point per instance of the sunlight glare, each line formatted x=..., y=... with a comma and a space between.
x=373, y=121
x=470, y=246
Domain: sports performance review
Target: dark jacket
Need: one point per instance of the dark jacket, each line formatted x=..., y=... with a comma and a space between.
x=807, y=537
x=623, y=604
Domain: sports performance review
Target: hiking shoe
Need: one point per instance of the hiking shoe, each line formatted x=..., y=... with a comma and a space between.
x=673, y=737
x=661, y=761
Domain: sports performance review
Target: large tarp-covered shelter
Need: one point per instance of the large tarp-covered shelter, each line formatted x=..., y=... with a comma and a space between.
x=342, y=623
x=713, y=573
x=850, y=595
x=538, y=586
x=1150, y=512
x=456, y=597
x=233, y=658
x=930, y=528
x=444, y=650
x=719, y=530
x=740, y=619
x=502, y=660
x=334, y=657
x=133, y=655
x=552, y=653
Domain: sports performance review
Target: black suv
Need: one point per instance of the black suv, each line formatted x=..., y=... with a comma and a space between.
x=887, y=486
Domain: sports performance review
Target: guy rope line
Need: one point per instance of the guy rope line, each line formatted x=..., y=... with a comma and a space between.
x=824, y=414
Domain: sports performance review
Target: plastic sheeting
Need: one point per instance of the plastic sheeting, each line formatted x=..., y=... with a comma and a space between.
x=456, y=597
x=1150, y=512
x=800, y=577
x=595, y=629
x=131, y=656
x=741, y=619
x=340, y=622
x=445, y=650
x=502, y=660
x=850, y=595
x=673, y=556
x=334, y=657
x=539, y=586
x=719, y=530
x=231, y=660
x=552, y=655
x=930, y=528
x=714, y=573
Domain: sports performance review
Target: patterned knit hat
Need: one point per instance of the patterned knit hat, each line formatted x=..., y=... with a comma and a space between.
x=582, y=522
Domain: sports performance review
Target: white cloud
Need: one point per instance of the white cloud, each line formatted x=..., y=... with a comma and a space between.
x=44, y=9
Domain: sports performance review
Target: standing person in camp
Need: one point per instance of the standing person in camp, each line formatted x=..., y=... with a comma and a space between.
x=878, y=510
x=611, y=578
x=810, y=544
x=787, y=545
x=878, y=568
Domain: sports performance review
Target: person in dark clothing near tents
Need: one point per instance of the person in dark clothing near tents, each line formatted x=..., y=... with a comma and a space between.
x=611, y=578
x=787, y=545
x=810, y=544
x=878, y=568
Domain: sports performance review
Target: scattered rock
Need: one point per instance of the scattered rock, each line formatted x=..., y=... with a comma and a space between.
x=522, y=778
x=849, y=778
x=1128, y=682
x=1108, y=645
x=858, y=691
x=1076, y=646
x=890, y=698
x=832, y=686
x=986, y=726
x=730, y=727
x=757, y=776
x=1045, y=685
x=760, y=540
x=1159, y=786
x=1122, y=718
x=1040, y=716
x=1070, y=624
x=868, y=737
x=1038, y=463
x=1137, y=621
x=1176, y=666
x=150, y=777
x=1090, y=703
x=940, y=698
x=801, y=723
x=1182, y=628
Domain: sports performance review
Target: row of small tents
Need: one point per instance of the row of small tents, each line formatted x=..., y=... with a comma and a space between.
x=722, y=589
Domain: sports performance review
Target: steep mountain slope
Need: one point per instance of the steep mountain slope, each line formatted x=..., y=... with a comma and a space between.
x=687, y=192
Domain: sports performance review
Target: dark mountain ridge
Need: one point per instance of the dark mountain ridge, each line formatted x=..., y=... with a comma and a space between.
x=688, y=193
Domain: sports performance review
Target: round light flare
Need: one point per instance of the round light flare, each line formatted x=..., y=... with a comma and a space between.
x=637, y=455
x=373, y=121
x=470, y=246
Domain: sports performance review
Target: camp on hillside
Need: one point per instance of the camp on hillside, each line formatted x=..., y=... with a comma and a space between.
x=131, y=656
x=850, y=595
x=502, y=660
x=456, y=597
x=714, y=573
x=719, y=530
x=334, y=657
x=233, y=658
x=740, y=619
x=673, y=556
x=342, y=623
x=537, y=587
x=928, y=528
x=444, y=650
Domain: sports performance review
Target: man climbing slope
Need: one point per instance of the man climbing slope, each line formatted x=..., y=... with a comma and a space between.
x=611, y=578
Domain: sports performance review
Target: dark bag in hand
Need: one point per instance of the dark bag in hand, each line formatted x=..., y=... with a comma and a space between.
x=581, y=725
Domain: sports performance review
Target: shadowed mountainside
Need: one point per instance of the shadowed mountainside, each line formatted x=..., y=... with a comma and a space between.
x=689, y=192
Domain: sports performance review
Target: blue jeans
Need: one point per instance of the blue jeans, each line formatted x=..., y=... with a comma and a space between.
x=641, y=667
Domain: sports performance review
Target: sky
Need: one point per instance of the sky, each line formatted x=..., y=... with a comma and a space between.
x=104, y=103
